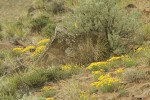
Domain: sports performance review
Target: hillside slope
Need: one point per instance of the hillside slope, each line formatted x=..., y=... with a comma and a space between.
x=13, y=9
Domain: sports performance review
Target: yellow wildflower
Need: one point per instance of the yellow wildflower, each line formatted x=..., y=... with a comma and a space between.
x=120, y=70
x=139, y=49
x=66, y=67
x=75, y=24
x=38, y=50
x=83, y=95
x=98, y=72
x=114, y=58
x=49, y=98
x=105, y=80
x=96, y=64
x=46, y=88
x=28, y=48
x=43, y=42
x=18, y=50
x=126, y=57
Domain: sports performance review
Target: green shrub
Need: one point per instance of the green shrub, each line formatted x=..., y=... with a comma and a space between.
x=49, y=29
x=115, y=64
x=35, y=78
x=37, y=24
x=9, y=85
x=6, y=97
x=109, y=21
x=130, y=62
x=14, y=29
x=56, y=73
x=107, y=88
x=17, y=85
x=93, y=90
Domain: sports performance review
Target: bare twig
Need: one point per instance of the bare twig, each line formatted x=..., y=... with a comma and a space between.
x=47, y=48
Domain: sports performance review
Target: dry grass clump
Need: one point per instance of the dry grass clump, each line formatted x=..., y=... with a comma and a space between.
x=131, y=76
x=70, y=90
x=87, y=51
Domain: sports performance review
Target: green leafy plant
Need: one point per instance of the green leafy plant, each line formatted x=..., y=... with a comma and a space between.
x=13, y=82
x=37, y=24
x=130, y=62
x=55, y=73
x=14, y=29
x=6, y=97
x=109, y=22
x=35, y=78
x=49, y=29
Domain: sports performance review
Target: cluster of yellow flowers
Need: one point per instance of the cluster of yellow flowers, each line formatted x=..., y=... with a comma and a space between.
x=115, y=58
x=119, y=71
x=139, y=49
x=83, y=96
x=127, y=59
x=105, y=80
x=107, y=62
x=23, y=50
x=46, y=88
x=28, y=48
x=17, y=50
x=38, y=50
x=43, y=42
x=96, y=64
x=101, y=71
x=66, y=67
x=76, y=25
x=49, y=99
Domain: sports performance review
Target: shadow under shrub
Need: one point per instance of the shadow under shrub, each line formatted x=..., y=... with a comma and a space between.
x=88, y=49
